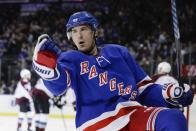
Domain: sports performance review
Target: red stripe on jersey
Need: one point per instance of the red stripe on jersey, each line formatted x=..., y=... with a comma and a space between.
x=68, y=78
x=140, y=118
x=143, y=83
x=168, y=91
x=152, y=121
x=36, y=91
x=21, y=100
x=103, y=123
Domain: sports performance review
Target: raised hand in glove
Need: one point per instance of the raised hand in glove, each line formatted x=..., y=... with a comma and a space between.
x=178, y=96
x=45, y=57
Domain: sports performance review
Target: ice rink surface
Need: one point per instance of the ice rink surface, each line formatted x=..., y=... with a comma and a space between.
x=9, y=123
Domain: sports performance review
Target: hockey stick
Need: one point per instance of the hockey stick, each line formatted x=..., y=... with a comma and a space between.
x=178, y=45
x=188, y=108
x=177, y=38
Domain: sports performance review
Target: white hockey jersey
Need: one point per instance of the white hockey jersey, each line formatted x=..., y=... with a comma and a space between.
x=22, y=90
x=40, y=86
x=166, y=79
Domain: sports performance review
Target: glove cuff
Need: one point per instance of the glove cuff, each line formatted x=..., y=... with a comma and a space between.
x=46, y=72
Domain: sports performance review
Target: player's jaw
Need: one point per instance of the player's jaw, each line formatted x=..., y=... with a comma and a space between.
x=84, y=39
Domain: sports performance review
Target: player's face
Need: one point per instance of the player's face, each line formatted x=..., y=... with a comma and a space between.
x=84, y=38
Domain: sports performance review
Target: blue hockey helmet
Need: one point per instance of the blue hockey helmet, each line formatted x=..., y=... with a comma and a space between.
x=81, y=18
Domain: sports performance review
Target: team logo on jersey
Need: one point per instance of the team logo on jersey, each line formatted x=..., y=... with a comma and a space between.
x=84, y=67
x=91, y=71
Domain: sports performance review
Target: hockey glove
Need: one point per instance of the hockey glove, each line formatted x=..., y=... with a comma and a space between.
x=187, y=97
x=177, y=96
x=59, y=101
x=45, y=57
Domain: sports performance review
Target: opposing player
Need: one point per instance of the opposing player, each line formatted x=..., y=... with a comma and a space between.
x=110, y=87
x=24, y=99
x=41, y=96
x=163, y=76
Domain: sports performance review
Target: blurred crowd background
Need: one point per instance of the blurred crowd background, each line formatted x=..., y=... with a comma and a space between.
x=144, y=26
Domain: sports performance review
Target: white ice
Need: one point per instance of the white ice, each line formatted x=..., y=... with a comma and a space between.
x=10, y=123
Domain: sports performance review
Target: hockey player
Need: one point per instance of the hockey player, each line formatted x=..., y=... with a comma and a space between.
x=41, y=96
x=110, y=87
x=24, y=100
x=163, y=76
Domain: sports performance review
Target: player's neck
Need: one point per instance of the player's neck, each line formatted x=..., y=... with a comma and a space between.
x=94, y=51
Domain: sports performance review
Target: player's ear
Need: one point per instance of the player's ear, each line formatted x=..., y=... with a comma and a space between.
x=96, y=33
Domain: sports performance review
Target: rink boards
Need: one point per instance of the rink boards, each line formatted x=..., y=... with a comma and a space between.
x=9, y=108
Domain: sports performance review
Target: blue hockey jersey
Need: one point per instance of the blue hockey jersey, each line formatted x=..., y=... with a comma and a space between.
x=105, y=86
